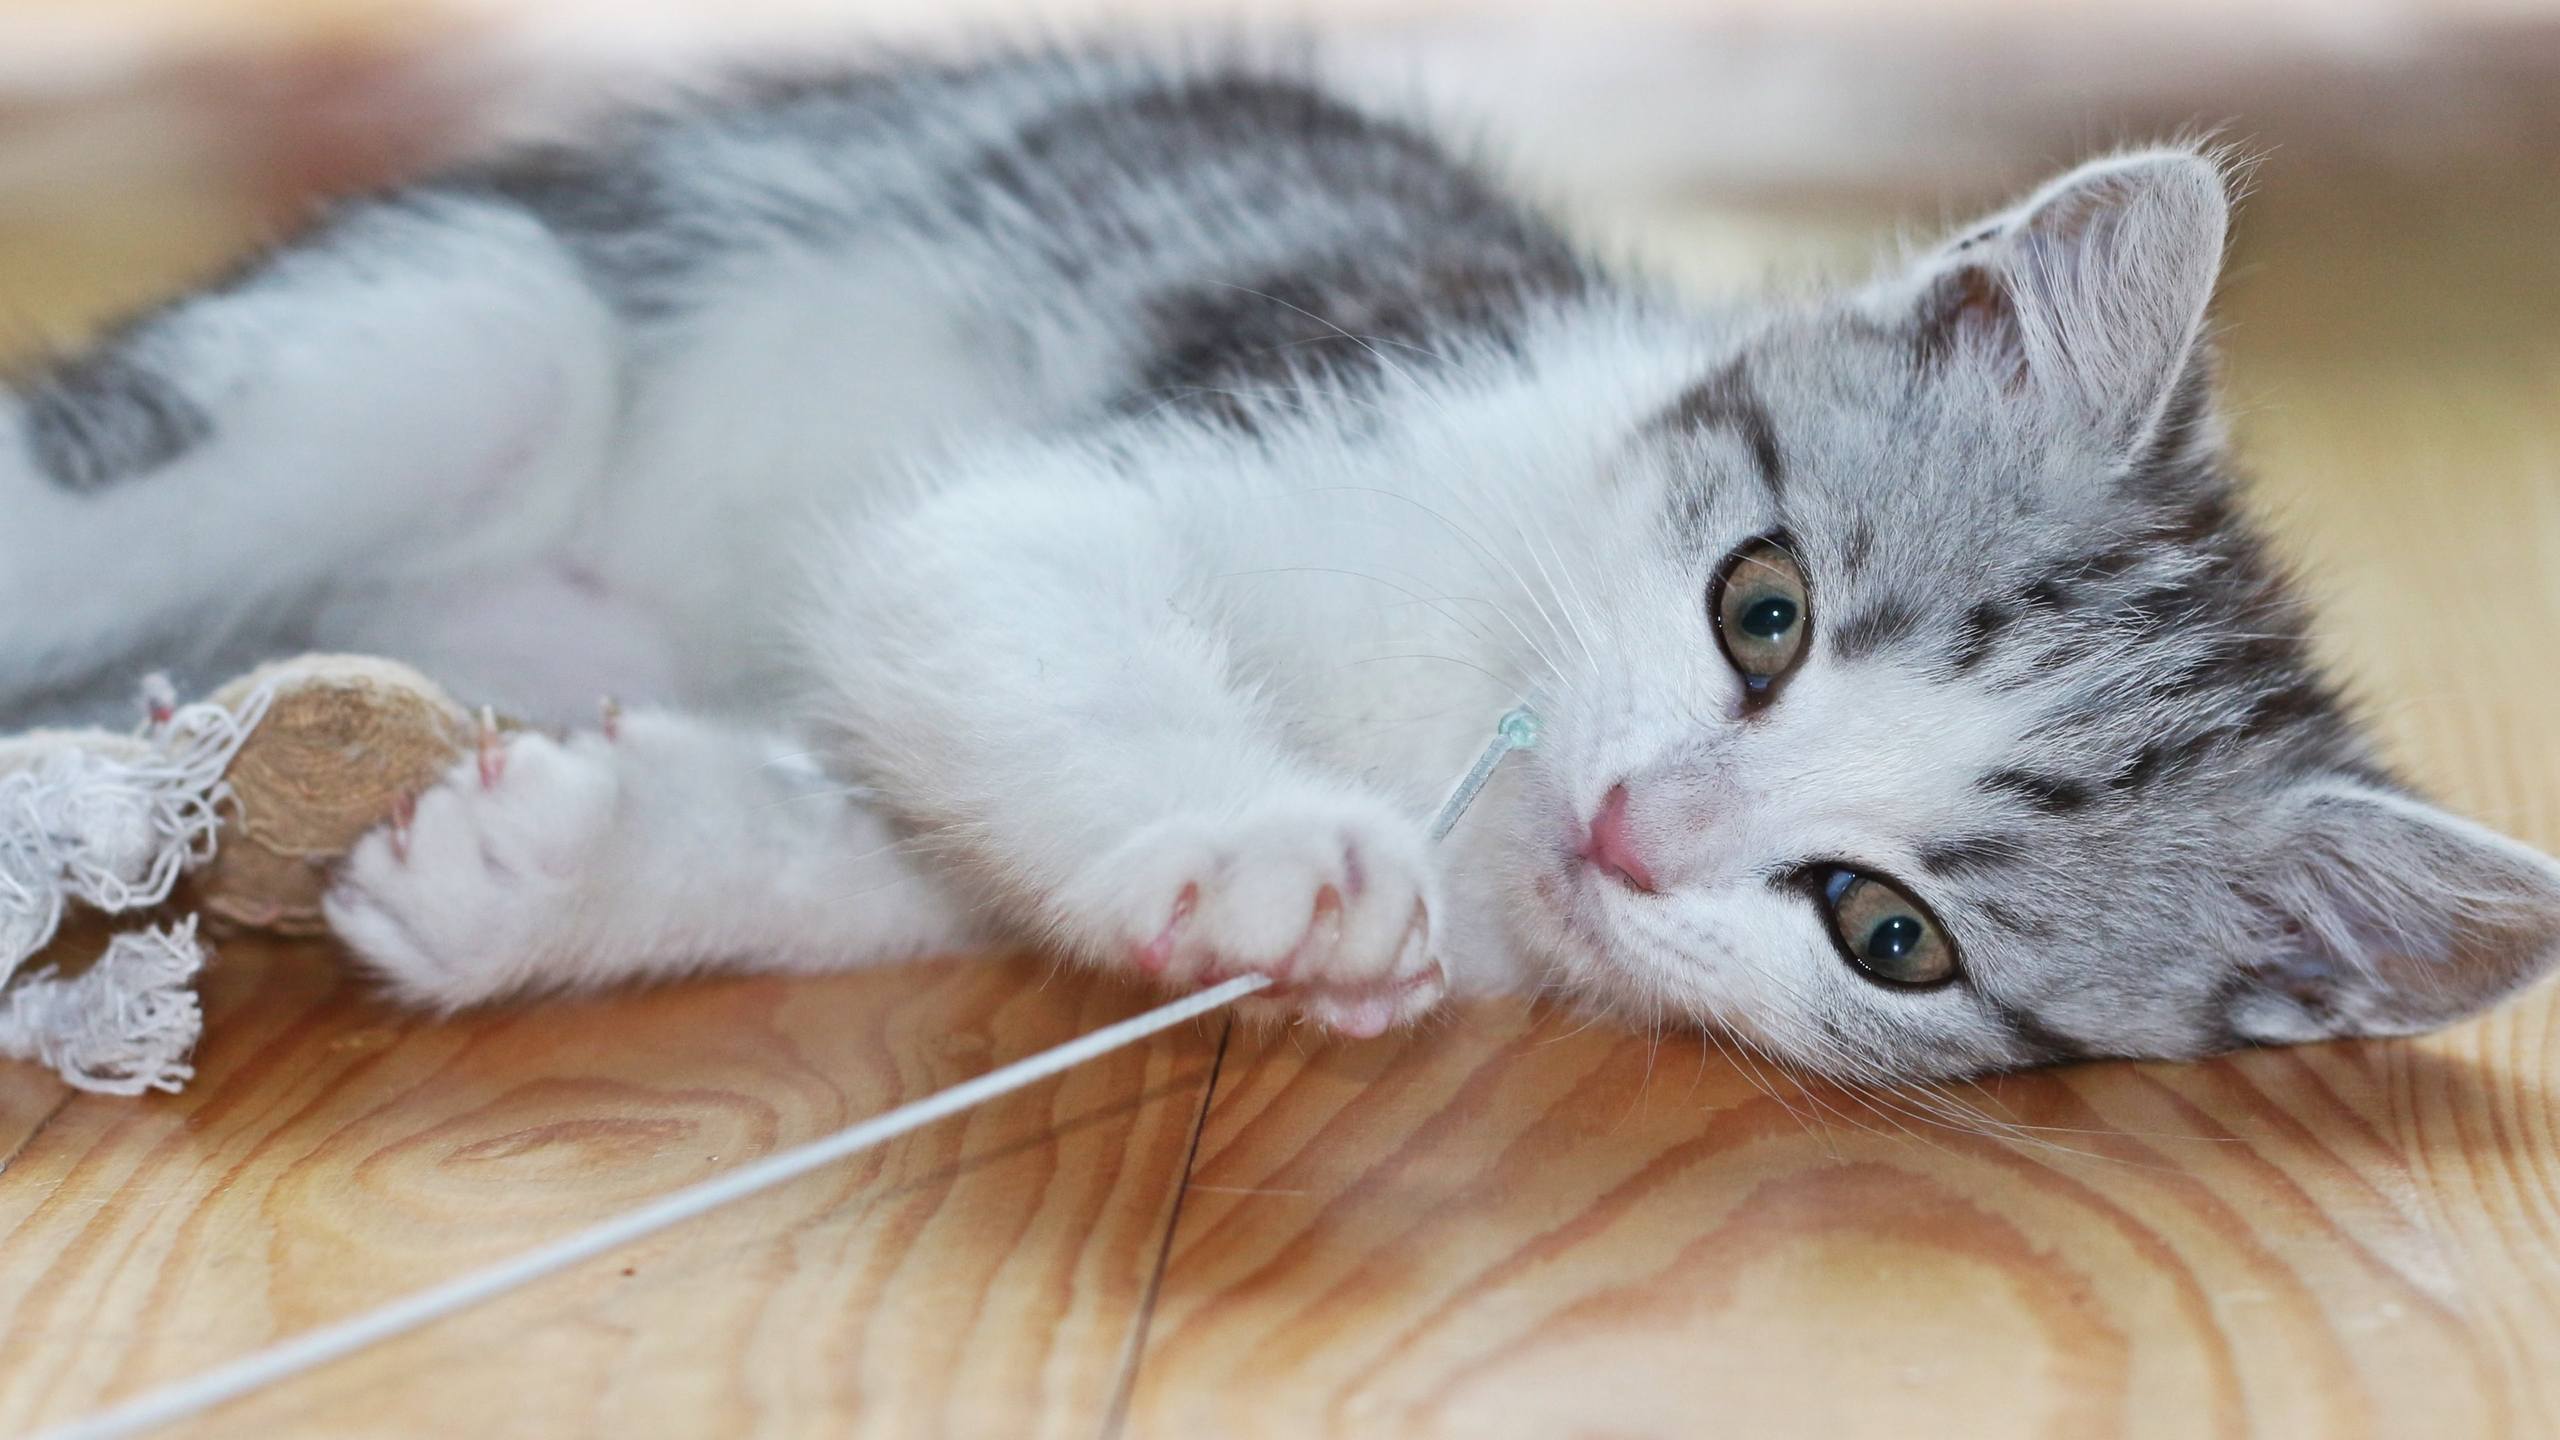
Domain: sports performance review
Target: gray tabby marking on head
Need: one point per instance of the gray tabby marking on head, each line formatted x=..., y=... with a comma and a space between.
x=2007, y=488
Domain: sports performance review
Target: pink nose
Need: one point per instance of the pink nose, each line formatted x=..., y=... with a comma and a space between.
x=1612, y=848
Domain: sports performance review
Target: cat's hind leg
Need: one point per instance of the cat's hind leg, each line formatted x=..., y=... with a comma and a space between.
x=658, y=846
x=422, y=384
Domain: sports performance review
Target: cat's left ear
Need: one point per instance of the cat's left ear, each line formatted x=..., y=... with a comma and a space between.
x=2387, y=916
x=2092, y=290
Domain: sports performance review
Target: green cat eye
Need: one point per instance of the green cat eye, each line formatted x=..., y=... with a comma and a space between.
x=1763, y=613
x=1885, y=932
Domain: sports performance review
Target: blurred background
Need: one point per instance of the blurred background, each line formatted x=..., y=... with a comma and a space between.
x=2418, y=139
x=2392, y=315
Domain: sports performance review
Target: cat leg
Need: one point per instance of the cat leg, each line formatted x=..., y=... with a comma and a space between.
x=1016, y=667
x=420, y=385
x=656, y=847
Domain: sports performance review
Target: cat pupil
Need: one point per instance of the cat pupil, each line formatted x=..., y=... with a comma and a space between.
x=1893, y=938
x=1769, y=617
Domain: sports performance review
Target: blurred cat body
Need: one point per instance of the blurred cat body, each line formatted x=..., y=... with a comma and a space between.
x=1098, y=501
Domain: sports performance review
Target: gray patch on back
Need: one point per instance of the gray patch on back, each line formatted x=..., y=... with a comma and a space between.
x=1394, y=246
x=1262, y=232
x=105, y=417
x=659, y=197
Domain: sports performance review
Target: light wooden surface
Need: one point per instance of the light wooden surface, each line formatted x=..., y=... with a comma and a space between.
x=1509, y=1225
x=988, y=1276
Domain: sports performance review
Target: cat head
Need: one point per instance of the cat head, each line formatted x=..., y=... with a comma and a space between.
x=1938, y=711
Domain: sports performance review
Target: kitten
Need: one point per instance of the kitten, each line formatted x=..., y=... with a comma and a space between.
x=1079, y=499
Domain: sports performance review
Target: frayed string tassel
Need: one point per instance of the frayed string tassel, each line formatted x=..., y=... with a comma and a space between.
x=170, y=806
x=30, y=895
x=111, y=831
x=125, y=1025
x=113, y=823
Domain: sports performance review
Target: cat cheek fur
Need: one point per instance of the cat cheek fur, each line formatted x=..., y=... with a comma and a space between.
x=1756, y=962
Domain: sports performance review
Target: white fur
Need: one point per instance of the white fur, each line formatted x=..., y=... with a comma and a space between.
x=1161, y=694
x=669, y=847
x=428, y=395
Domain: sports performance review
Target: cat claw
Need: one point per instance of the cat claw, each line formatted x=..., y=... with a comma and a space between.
x=1324, y=934
x=492, y=749
x=159, y=700
x=1156, y=954
x=404, y=813
x=1322, y=907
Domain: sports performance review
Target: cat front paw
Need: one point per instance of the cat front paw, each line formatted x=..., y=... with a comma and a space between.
x=1329, y=896
x=470, y=892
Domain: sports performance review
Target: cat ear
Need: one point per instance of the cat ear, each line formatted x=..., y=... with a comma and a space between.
x=2092, y=290
x=2390, y=917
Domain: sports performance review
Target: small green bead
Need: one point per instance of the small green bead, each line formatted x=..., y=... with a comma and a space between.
x=1519, y=729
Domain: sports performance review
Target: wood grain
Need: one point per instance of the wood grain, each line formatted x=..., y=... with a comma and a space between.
x=983, y=1277
x=1521, y=1227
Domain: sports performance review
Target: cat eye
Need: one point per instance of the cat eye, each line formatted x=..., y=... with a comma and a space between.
x=1763, y=613
x=1885, y=932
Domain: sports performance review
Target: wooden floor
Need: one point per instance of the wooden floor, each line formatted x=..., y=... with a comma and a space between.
x=1511, y=1225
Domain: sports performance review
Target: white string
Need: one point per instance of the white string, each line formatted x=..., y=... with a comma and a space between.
x=331, y=1342
x=113, y=826
x=174, y=803
x=1517, y=731
x=110, y=831
x=124, y=1025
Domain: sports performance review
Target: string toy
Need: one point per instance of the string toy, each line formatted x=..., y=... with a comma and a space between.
x=1518, y=730
x=111, y=822
x=233, y=811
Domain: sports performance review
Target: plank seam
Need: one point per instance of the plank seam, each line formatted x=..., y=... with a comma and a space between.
x=9, y=1161
x=1115, y=1419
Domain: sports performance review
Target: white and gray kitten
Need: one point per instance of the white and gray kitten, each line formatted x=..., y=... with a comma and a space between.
x=1102, y=502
